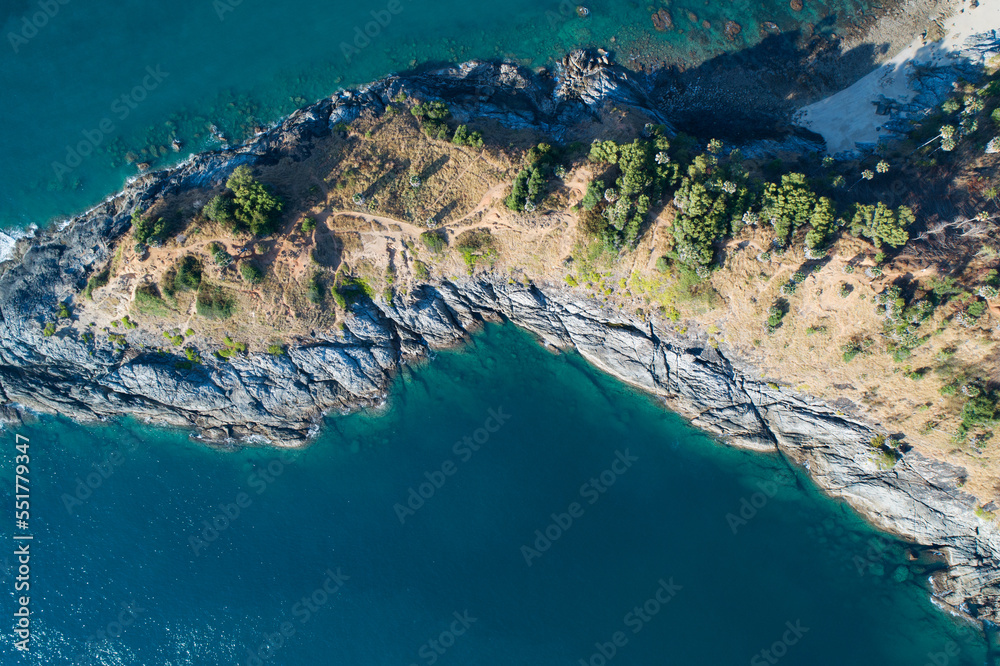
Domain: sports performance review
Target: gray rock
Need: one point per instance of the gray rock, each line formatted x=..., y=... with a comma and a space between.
x=282, y=398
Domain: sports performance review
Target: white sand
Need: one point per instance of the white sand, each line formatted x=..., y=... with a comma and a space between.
x=850, y=117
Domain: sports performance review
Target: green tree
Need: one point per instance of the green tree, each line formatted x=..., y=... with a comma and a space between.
x=595, y=192
x=881, y=224
x=146, y=230
x=821, y=223
x=604, y=151
x=220, y=209
x=788, y=205
x=256, y=207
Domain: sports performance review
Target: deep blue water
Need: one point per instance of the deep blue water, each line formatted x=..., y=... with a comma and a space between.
x=77, y=95
x=652, y=500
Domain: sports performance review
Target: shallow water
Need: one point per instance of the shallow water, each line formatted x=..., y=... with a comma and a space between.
x=78, y=96
x=663, y=512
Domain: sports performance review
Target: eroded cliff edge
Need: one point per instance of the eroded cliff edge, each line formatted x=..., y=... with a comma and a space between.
x=282, y=398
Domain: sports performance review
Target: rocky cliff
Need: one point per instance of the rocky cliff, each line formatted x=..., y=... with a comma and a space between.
x=282, y=398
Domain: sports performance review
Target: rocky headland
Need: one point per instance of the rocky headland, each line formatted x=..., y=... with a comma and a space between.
x=281, y=398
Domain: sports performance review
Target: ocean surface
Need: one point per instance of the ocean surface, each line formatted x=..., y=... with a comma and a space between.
x=508, y=506
x=90, y=89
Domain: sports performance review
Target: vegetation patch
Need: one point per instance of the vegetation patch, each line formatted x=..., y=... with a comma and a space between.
x=475, y=244
x=214, y=303
x=96, y=281
x=148, y=301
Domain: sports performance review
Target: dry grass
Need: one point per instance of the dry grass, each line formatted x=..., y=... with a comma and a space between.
x=462, y=189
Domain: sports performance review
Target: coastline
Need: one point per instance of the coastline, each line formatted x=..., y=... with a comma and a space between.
x=882, y=102
x=919, y=499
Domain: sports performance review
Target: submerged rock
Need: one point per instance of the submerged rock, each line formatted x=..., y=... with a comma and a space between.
x=662, y=20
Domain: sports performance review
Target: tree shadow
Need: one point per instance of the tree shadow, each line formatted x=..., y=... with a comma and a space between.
x=435, y=166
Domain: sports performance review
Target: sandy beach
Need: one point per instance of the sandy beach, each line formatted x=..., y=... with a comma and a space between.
x=851, y=117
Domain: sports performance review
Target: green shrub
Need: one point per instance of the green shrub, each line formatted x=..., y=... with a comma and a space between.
x=775, y=315
x=529, y=184
x=433, y=241
x=128, y=323
x=474, y=244
x=214, y=303
x=594, y=195
x=149, y=302
x=219, y=254
x=420, y=270
x=62, y=311
x=96, y=281
x=352, y=290
x=850, y=350
x=980, y=408
x=308, y=225
x=663, y=264
x=238, y=347
x=977, y=309
x=314, y=290
x=251, y=272
x=431, y=117
x=275, y=350
x=146, y=231
x=188, y=274
x=232, y=348
x=434, y=110
x=49, y=329
x=463, y=137
x=338, y=298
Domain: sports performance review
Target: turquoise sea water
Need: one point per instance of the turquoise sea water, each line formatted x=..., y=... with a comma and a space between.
x=77, y=95
x=448, y=581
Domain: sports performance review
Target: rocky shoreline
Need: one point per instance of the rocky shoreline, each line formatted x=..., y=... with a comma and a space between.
x=281, y=399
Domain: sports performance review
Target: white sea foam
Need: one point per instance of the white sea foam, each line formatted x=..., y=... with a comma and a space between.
x=9, y=238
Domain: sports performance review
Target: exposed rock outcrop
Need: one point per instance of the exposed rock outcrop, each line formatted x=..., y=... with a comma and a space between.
x=281, y=398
